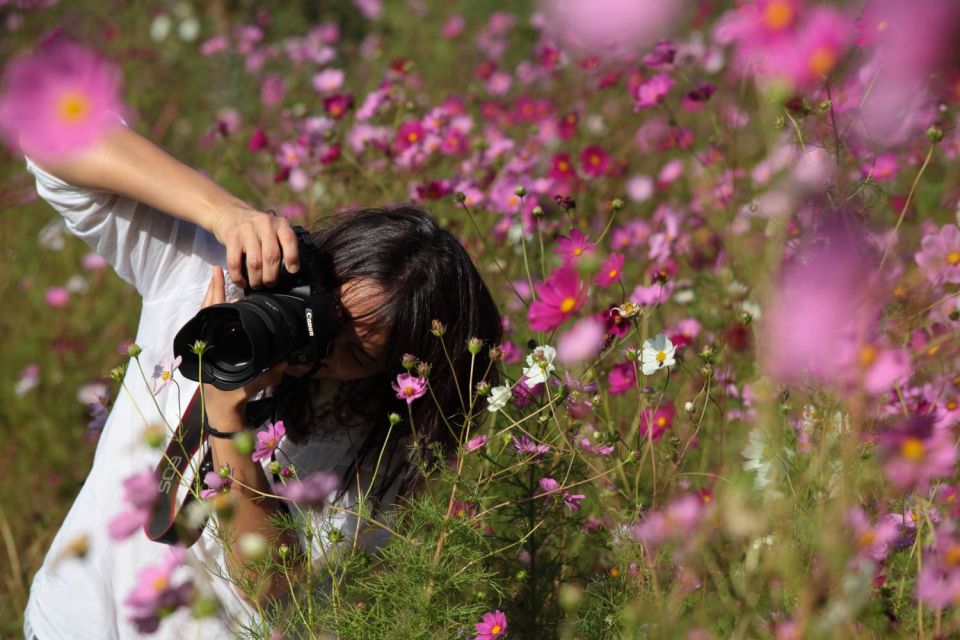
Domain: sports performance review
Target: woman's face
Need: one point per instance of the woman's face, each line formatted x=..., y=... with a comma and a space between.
x=358, y=349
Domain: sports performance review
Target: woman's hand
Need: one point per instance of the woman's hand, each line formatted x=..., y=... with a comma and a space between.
x=226, y=408
x=263, y=238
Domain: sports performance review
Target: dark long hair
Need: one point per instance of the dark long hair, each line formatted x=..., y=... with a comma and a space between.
x=426, y=276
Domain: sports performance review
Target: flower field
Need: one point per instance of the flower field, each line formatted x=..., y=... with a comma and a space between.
x=724, y=240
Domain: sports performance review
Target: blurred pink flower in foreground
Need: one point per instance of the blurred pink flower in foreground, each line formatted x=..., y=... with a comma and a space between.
x=59, y=99
x=314, y=490
x=611, y=28
x=154, y=595
x=917, y=452
x=582, y=342
x=140, y=494
x=677, y=520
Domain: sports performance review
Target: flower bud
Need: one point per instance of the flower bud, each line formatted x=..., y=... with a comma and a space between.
x=520, y=191
x=394, y=418
x=409, y=361
x=474, y=345
x=134, y=350
x=199, y=347
x=288, y=471
x=225, y=471
x=117, y=373
x=745, y=318
x=460, y=197
x=689, y=407
x=423, y=370
x=934, y=134
x=496, y=353
x=252, y=545
x=437, y=328
x=617, y=204
x=274, y=467
x=570, y=597
x=483, y=388
x=537, y=211
x=243, y=442
x=283, y=551
x=154, y=435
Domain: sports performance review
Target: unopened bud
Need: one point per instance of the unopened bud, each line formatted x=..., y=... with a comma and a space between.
x=243, y=443
x=934, y=134
x=689, y=407
x=460, y=197
x=274, y=467
x=496, y=353
x=745, y=318
x=253, y=545
x=409, y=361
x=393, y=418
x=134, y=350
x=483, y=388
x=199, y=347
x=537, y=211
x=474, y=345
x=423, y=370
x=117, y=373
x=617, y=204
x=154, y=435
x=283, y=551
x=437, y=328
x=520, y=191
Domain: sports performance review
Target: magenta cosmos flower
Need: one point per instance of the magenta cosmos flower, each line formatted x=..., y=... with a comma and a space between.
x=409, y=387
x=493, y=625
x=610, y=270
x=59, y=99
x=574, y=247
x=154, y=596
x=939, y=256
x=917, y=452
x=314, y=490
x=560, y=296
x=268, y=440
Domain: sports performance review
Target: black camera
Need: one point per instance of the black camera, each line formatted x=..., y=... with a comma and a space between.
x=295, y=320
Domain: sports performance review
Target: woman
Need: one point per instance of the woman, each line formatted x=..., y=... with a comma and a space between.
x=174, y=234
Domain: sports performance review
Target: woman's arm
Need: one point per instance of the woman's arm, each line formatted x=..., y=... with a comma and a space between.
x=125, y=163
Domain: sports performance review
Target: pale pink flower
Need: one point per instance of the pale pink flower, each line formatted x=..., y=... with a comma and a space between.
x=582, y=342
x=56, y=297
x=475, y=443
x=140, y=493
x=328, y=80
x=154, y=595
x=163, y=373
x=314, y=490
x=58, y=100
x=939, y=256
x=872, y=540
x=917, y=453
x=453, y=27
x=268, y=441
x=409, y=387
x=651, y=92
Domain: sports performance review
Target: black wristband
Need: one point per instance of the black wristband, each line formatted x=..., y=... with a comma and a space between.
x=210, y=431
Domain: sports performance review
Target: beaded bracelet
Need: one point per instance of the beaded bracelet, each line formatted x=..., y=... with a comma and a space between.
x=225, y=435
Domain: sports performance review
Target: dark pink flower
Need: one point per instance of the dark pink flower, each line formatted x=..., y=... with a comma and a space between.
x=558, y=298
x=527, y=446
x=594, y=161
x=59, y=99
x=622, y=378
x=268, y=441
x=475, y=443
x=337, y=105
x=610, y=270
x=492, y=626
x=409, y=134
x=655, y=423
x=561, y=167
x=652, y=92
x=574, y=247
x=409, y=387
x=872, y=540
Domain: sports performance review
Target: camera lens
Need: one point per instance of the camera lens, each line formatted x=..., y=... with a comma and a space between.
x=231, y=345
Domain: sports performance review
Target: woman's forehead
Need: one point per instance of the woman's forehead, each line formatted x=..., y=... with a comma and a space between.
x=361, y=299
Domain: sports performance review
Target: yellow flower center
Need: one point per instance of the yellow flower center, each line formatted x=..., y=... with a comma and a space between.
x=867, y=538
x=661, y=421
x=165, y=376
x=953, y=555
x=577, y=251
x=612, y=273
x=408, y=391
x=868, y=355
x=567, y=305
x=563, y=166
x=73, y=107
x=594, y=160
x=160, y=583
x=953, y=258
x=661, y=356
x=821, y=61
x=912, y=449
x=413, y=136
x=882, y=26
x=615, y=572
x=272, y=442
x=495, y=629
x=778, y=14
x=952, y=405
x=336, y=110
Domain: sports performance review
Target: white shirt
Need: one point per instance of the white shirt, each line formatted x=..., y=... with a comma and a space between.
x=168, y=261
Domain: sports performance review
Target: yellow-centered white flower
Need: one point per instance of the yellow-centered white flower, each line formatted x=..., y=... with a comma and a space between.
x=540, y=364
x=499, y=396
x=657, y=354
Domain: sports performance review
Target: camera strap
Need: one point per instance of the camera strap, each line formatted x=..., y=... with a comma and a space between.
x=168, y=522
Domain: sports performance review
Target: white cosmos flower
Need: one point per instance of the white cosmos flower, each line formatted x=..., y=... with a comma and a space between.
x=540, y=364
x=499, y=396
x=657, y=354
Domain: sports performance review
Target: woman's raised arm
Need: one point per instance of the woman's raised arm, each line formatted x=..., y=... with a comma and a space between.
x=125, y=163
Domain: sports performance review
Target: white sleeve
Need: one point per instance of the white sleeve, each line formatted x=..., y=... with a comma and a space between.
x=155, y=252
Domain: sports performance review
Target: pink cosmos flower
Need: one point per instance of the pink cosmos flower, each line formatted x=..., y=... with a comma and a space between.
x=215, y=484
x=561, y=167
x=272, y=90
x=56, y=297
x=572, y=501
x=93, y=261
x=652, y=92
x=938, y=583
x=268, y=441
x=409, y=387
x=883, y=168
x=622, y=378
x=29, y=378
x=871, y=540
x=140, y=494
x=328, y=80
x=574, y=247
x=162, y=375
x=314, y=490
x=492, y=626
x=582, y=342
x=453, y=27
x=527, y=446
x=677, y=521
x=594, y=161
x=475, y=443
x=820, y=43
x=610, y=270
x=59, y=99
x=154, y=595
x=371, y=9
x=338, y=104
x=939, y=256
x=916, y=453
x=559, y=297
x=409, y=134
x=657, y=422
